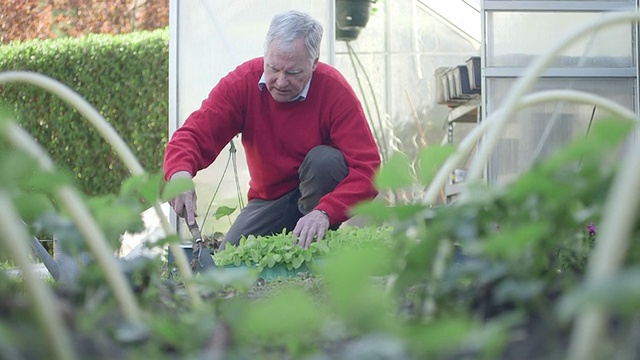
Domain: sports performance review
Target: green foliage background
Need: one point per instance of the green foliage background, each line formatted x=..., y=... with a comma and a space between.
x=125, y=77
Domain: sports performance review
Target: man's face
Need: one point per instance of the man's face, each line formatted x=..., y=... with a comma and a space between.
x=287, y=73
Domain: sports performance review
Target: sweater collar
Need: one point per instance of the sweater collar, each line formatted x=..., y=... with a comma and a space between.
x=303, y=94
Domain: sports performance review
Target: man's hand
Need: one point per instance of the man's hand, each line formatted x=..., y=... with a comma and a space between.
x=185, y=204
x=313, y=225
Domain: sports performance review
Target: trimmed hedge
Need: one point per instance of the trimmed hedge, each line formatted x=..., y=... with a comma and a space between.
x=125, y=77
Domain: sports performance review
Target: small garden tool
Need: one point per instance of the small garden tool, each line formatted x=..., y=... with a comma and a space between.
x=201, y=259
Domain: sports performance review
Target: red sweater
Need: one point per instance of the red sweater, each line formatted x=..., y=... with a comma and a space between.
x=277, y=136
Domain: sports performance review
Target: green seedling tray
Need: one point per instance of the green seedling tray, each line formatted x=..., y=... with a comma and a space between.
x=278, y=271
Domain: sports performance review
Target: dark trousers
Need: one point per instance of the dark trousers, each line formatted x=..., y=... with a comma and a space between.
x=320, y=172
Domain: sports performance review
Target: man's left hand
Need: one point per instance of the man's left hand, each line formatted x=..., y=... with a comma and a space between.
x=313, y=225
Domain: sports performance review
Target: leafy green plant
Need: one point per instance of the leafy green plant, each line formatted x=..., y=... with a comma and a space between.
x=266, y=252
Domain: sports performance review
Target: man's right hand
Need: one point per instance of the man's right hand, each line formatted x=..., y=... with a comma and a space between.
x=185, y=204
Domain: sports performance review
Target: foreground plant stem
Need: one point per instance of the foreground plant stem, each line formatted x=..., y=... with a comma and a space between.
x=469, y=141
x=445, y=249
x=16, y=238
x=94, y=237
x=120, y=147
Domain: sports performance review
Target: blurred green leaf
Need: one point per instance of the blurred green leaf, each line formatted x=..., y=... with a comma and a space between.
x=380, y=211
x=116, y=216
x=16, y=168
x=611, y=131
x=605, y=135
x=238, y=278
x=440, y=336
x=619, y=293
x=431, y=159
x=47, y=182
x=509, y=291
x=396, y=173
x=296, y=314
x=145, y=186
x=176, y=187
x=355, y=298
x=31, y=206
x=511, y=243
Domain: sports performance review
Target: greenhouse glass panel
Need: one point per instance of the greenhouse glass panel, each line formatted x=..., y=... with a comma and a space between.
x=514, y=39
x=392, y=64
x=564, y=1
x=558, y=1
x=536, y=132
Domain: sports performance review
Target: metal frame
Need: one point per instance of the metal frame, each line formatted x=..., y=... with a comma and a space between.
x=482, y=113
x=559, y=72
x=174, y=119
x=444, y=20
x=576, y=5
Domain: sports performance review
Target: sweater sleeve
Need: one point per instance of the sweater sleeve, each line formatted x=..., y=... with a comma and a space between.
x=199, y=141
x=350, y=133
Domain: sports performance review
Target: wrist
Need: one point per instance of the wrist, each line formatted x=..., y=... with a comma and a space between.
x=181, y=174
x=325, y=214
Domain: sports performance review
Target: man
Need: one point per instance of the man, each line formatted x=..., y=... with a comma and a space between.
x=309, y=149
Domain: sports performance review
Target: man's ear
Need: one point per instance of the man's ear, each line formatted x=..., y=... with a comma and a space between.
x=315, y=64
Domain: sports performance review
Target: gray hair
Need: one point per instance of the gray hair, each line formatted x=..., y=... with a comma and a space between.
x=291, y=25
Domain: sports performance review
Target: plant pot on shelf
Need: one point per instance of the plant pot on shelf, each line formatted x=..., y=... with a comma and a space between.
x=351, y=17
